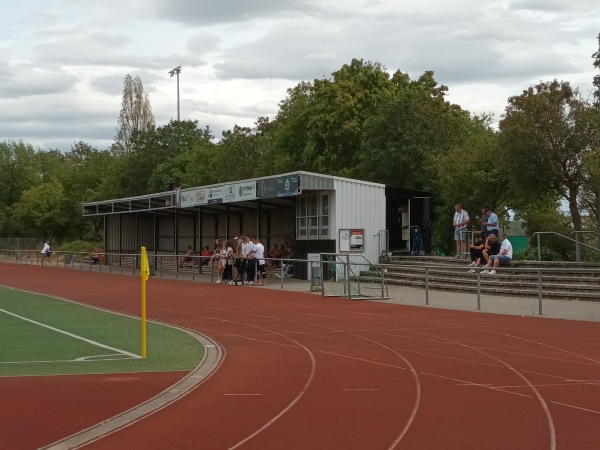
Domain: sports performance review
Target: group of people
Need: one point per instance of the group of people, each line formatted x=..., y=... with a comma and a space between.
x=246, y=255
x=97, y=256
x=485, y=251
x=193, y=258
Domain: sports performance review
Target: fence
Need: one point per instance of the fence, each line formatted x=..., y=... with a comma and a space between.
x=533, y=291
x=19, y=243
x=161, y=265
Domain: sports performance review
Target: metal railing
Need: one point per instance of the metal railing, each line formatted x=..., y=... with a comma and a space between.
x=576, y=241
x=540, y=283
x=162, y=265
x=521, y=282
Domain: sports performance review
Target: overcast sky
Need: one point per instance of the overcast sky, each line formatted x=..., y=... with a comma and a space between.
x=62, y=62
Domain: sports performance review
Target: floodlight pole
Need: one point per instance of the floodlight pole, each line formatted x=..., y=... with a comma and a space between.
x=177, y=71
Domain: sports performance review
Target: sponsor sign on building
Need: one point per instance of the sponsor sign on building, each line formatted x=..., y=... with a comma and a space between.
x=193, y=197
x=279, y=186
x=225, y=193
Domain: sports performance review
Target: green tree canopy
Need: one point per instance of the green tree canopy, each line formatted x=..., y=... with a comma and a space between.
x=546, y=133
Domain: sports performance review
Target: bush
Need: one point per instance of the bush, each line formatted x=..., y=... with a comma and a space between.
x=80, y=246
x=531, y=254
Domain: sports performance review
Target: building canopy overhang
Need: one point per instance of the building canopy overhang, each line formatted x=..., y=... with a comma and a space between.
x=264, y=192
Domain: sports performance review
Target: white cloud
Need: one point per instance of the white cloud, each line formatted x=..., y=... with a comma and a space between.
x=62, y=62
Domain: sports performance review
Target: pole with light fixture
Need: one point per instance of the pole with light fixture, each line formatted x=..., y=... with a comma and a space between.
x=177, y=71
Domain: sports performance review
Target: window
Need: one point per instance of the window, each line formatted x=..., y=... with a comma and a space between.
x=312, y=216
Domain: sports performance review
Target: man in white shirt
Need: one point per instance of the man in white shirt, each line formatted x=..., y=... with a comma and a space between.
x=460, y=222
x=505, y=255
x=259, y=253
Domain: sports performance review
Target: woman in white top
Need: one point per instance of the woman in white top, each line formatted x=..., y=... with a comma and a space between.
x=227, y=258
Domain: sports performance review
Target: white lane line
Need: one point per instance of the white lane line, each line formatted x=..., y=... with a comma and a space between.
x=361, y=389
x=89, y=341
x=575, y=407
x=243, y=394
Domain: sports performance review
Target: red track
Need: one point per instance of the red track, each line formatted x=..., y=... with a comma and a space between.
x=304, y=372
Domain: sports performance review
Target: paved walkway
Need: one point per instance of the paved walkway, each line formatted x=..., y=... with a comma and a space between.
x=522, y=306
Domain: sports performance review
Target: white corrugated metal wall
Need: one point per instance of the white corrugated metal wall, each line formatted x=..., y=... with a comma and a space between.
x=359, y=205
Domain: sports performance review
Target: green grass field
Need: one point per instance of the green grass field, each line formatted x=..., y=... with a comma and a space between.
x=42, y=335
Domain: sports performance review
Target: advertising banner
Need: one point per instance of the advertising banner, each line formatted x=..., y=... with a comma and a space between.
x=225, y=193
x=279, y=186
x=193, y=197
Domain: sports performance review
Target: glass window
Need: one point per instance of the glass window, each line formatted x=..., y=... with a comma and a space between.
x=312, y=214
x=313, y=204
x=325, y=205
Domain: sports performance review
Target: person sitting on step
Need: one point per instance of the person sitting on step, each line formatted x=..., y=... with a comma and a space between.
x=503, y=257
x=476, y=251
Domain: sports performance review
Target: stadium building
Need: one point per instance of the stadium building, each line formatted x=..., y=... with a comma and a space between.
x=320, y=213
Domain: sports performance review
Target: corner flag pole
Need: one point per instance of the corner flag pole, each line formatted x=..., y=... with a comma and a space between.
x=144, y=272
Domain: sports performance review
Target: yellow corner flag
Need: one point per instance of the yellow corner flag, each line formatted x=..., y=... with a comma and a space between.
x=144, y=272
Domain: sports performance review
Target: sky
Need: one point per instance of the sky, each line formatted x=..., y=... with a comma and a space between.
x=63, y=62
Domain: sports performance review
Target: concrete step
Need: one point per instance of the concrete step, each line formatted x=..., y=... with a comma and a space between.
x=559, y=279
x=509, y=281
x=570, y=276
x=491, y=289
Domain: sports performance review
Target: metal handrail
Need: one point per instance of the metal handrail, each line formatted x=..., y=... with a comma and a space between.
x=576, y=241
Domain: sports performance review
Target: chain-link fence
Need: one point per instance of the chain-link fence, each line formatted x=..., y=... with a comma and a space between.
x=19, y=243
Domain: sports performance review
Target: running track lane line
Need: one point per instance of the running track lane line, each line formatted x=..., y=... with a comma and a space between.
x=294, y=401
x=541, y=400
x=213, y=358
x=413, y=371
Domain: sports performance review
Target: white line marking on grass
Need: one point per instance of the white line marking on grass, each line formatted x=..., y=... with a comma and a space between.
x=89, y=341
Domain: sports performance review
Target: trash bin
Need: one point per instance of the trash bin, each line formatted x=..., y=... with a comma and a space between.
x=315, y=276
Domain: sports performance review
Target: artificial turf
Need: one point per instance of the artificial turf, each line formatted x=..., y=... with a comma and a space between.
x=27, y=348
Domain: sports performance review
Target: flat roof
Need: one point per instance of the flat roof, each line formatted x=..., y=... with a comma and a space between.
x=273, y=191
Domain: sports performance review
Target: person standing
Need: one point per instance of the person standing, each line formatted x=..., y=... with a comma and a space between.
x=243, y=260
x=250, y=261
x=46, y=252
x=227, y=275
x=460, y=222
x=491, y=222
x=258, y=252
x=483, y=223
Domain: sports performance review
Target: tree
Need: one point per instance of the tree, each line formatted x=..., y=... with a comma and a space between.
x=400, y=142
x=596, y=179
x=41, y=212
x=546, y=133
x=19, y=171
x=136, y=114
x=153, y=148
x=596, y=80
x=339, y=108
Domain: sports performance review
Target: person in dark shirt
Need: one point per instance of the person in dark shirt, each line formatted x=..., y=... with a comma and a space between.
x=492, y=247
x=476, y=251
